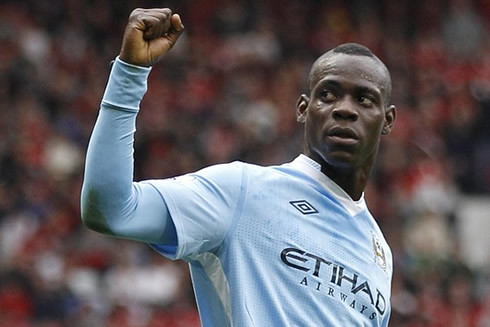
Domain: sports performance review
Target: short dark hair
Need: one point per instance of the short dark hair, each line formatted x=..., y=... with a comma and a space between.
x=353, y=49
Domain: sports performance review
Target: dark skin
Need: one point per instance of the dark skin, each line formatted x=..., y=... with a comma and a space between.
x=345, y=115
x=149, y=35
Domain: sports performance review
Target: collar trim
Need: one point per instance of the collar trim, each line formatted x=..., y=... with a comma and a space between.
x=313, y=169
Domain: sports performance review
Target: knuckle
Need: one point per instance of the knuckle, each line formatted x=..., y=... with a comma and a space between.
x=136, y=12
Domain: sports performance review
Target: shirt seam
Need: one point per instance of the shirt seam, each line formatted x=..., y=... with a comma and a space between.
x=169, y=201
x=237, y=215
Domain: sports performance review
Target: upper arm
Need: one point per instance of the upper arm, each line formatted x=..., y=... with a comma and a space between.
x=143, y=217
x=193, y=211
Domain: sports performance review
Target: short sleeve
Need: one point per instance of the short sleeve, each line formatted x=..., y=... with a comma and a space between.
x=202, y=206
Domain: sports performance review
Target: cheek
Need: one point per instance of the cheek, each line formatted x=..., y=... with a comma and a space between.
x=373, y=129
x=314, y=123
x=318, y=113
x=374, y=119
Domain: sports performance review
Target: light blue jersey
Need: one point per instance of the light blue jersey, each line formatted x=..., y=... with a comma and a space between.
x=278, y=246
x=267, y=246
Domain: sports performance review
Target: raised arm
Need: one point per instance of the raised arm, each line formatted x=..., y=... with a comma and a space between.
x=111, y=202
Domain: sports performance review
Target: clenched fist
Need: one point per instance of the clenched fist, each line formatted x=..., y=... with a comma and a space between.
x=150, y=34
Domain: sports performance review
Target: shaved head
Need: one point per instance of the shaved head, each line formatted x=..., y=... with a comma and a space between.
x=352, y=49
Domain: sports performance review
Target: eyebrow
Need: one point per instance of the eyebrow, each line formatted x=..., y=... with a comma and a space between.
x=358, y=88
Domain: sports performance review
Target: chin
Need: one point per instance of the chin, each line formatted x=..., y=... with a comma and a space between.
x=342, y=163
x=342, y=160
x=335, y=157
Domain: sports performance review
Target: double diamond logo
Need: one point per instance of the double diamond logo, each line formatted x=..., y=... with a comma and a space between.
x=304, y=207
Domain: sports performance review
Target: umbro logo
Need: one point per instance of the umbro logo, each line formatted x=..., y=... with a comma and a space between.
x=304, y=207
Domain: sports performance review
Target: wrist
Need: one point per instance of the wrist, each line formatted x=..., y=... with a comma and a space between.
x=126, y=86
x=127, y=60
x=131, y=65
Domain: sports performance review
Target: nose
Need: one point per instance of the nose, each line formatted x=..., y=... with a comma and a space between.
x=345, y=110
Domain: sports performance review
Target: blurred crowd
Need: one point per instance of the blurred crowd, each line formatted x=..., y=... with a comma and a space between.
x=227, y=92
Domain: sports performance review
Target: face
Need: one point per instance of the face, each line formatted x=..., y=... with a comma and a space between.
x=346, y=111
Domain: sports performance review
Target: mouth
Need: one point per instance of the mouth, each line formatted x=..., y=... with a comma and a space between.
x=343, y=136
x=343, y=133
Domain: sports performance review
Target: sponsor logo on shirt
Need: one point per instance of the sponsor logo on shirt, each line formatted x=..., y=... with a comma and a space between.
x=336, y=281
x=304, y=207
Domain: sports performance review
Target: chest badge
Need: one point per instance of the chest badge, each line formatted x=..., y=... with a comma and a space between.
x=379, y=252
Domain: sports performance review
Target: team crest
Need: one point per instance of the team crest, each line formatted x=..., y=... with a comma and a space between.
x=379, y=252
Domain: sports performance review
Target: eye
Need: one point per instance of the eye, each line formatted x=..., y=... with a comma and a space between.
x=327, y=95
x=366, y=101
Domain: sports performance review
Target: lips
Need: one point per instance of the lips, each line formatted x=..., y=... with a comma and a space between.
x=343, y=133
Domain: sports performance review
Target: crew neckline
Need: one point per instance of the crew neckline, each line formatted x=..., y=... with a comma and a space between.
x=314, y=170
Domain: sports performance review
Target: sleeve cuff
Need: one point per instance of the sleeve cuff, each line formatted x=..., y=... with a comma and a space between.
x=126, y=86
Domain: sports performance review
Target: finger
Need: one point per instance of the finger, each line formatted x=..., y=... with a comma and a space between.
x=163, y=44
x=177, y=22
x=176, y=28
x=155, y=26
x=139, y=12
x=159, y=23
x=152, y=22
x=165, y=11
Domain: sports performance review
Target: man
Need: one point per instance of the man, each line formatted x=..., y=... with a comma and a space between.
x=288, y=245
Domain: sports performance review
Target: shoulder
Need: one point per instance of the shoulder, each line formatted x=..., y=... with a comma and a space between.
x=233, y=169
x=225, y=175
x=225, y=172
x=237, y=175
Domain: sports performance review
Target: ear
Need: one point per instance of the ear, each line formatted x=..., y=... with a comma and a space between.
x=301, y=108
x=390, y=117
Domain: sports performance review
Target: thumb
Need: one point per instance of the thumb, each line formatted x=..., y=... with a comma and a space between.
x=176, y=29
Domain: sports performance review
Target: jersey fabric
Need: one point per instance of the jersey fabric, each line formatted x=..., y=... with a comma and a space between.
x=278, y=246
x=267, y=246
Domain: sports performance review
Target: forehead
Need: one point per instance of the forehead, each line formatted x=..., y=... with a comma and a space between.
x=361, y=70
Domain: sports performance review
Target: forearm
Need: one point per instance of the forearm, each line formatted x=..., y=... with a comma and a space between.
x=110, y=200
x=107, y=188
x=109, y=163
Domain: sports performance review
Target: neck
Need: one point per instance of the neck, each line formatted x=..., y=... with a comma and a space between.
x=353, y=180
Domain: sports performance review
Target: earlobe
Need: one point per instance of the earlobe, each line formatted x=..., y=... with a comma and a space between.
x=390, y=117
x=301, y=108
